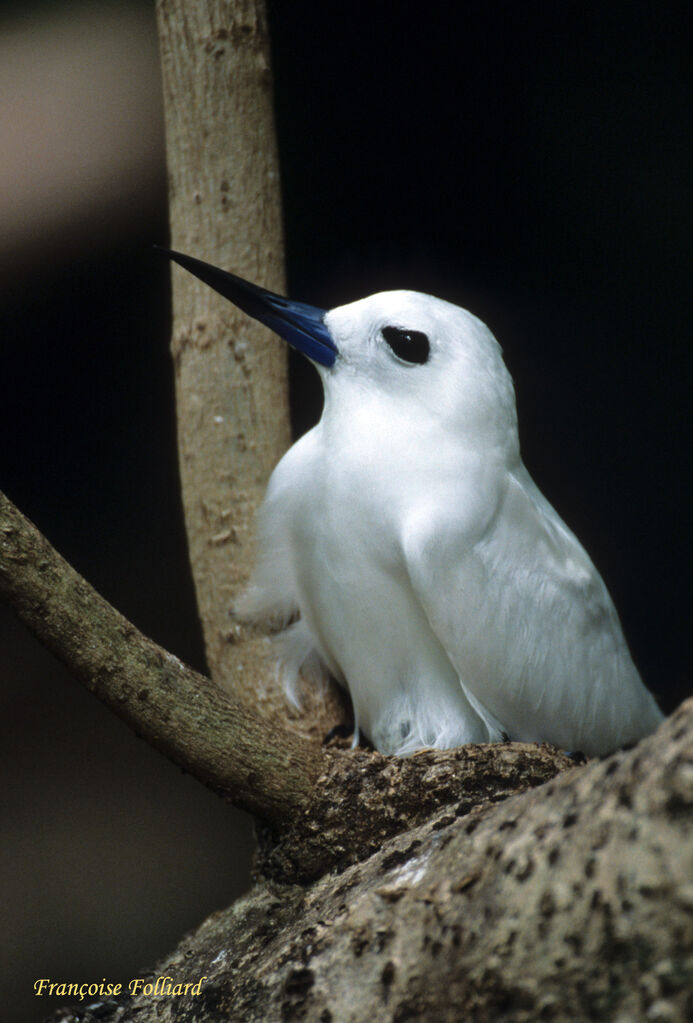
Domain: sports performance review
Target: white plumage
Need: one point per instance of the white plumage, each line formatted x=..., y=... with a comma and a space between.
x=410, y=555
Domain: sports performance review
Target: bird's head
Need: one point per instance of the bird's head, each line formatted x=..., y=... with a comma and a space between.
x=409, y=351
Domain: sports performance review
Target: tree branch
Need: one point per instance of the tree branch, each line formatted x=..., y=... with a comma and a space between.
x=184, y=715
x=231, y=379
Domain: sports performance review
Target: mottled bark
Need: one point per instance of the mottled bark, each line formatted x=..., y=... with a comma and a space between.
x=362, y=798
x=572, y=902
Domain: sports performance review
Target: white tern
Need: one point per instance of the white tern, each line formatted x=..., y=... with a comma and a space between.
x=407, y=552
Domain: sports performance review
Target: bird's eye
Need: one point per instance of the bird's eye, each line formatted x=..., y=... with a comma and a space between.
x=409, y=345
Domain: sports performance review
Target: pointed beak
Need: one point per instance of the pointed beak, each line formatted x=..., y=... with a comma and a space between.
x=300, y=324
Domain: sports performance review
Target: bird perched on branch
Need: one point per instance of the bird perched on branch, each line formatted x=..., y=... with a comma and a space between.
x=408, y=552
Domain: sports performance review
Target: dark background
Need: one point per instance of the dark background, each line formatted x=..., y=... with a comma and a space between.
x=527, y=161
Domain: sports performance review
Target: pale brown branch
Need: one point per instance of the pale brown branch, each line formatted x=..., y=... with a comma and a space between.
x=179, y=712
x=231, y=380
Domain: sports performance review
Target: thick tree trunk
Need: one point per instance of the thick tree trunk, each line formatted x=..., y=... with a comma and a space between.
x=572, y=902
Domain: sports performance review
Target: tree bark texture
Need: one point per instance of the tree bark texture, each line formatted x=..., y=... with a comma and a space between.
x=572, y=902
x=231, y=372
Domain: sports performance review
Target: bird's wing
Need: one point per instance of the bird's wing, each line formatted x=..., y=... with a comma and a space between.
x=271, y=596
x=524, y=616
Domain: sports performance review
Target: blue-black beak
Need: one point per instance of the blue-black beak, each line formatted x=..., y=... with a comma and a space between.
x=300, y=324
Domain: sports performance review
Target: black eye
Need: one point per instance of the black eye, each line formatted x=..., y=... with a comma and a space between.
x=409, y=345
